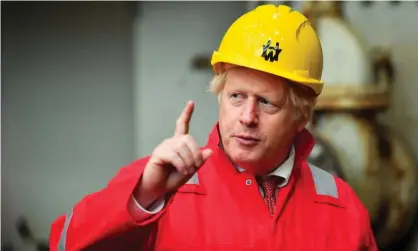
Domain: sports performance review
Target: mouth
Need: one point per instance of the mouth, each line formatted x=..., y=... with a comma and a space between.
x=246, y=140
x=247, y=137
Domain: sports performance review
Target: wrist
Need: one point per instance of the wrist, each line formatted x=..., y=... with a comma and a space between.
x=145, y=197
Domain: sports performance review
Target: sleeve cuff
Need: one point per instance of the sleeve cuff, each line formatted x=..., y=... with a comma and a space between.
x=139, y=213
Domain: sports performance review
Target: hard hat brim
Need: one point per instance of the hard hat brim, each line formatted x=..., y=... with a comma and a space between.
x=217, y=57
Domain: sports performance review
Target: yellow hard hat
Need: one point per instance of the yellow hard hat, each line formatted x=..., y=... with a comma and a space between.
x=275, y=40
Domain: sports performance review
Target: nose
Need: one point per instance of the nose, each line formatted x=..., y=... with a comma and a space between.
x=249, y=116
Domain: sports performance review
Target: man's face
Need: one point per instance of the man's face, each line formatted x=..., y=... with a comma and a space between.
x=256, y=122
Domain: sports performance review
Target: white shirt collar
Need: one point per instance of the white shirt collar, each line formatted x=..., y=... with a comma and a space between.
x=284, y=170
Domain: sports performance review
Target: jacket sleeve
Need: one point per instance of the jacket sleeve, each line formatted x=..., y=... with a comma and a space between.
x=369, y=238
x=370, y=242
x=102, y=220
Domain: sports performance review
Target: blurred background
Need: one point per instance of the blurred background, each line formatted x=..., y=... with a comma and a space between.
x=88, y=87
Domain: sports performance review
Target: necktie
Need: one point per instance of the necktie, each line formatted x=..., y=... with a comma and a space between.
x=269, y=185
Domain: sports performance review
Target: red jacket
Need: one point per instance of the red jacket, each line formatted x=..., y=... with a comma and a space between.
x=218, y=209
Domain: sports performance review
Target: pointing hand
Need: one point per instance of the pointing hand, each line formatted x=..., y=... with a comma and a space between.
x=173, y=162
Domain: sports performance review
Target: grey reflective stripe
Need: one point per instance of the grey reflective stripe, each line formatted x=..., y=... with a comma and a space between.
x=63, y=238
x=194, y=180
x=324, y=182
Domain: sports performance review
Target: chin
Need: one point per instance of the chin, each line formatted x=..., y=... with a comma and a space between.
x=244, y=159
x=252, y=162
x=250, y=167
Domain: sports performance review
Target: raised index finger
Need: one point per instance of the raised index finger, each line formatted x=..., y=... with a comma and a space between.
x=182, y=124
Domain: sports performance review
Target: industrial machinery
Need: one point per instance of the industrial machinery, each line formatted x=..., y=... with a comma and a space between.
x=352, y=139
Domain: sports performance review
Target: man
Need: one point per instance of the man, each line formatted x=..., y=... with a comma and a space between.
x=250, y=187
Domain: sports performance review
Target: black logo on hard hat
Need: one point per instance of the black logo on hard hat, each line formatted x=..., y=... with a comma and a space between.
x=273, y=52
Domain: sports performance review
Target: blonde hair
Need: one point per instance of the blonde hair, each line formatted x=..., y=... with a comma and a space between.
x=302, y=98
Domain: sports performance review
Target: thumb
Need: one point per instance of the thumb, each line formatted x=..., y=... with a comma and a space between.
x=206, y=154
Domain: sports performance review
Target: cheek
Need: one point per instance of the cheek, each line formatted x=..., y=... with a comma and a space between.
x=277, y=128
x=228, y=116
x=228, y=124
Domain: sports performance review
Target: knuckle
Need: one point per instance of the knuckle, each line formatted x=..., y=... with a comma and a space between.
x=174, y=156
x=196, y=151
x=184, y=138
x=180, y=166
x=189, y=139
x=198, y=155
x=181, y=144
x=199, y=159
x=191, y=162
